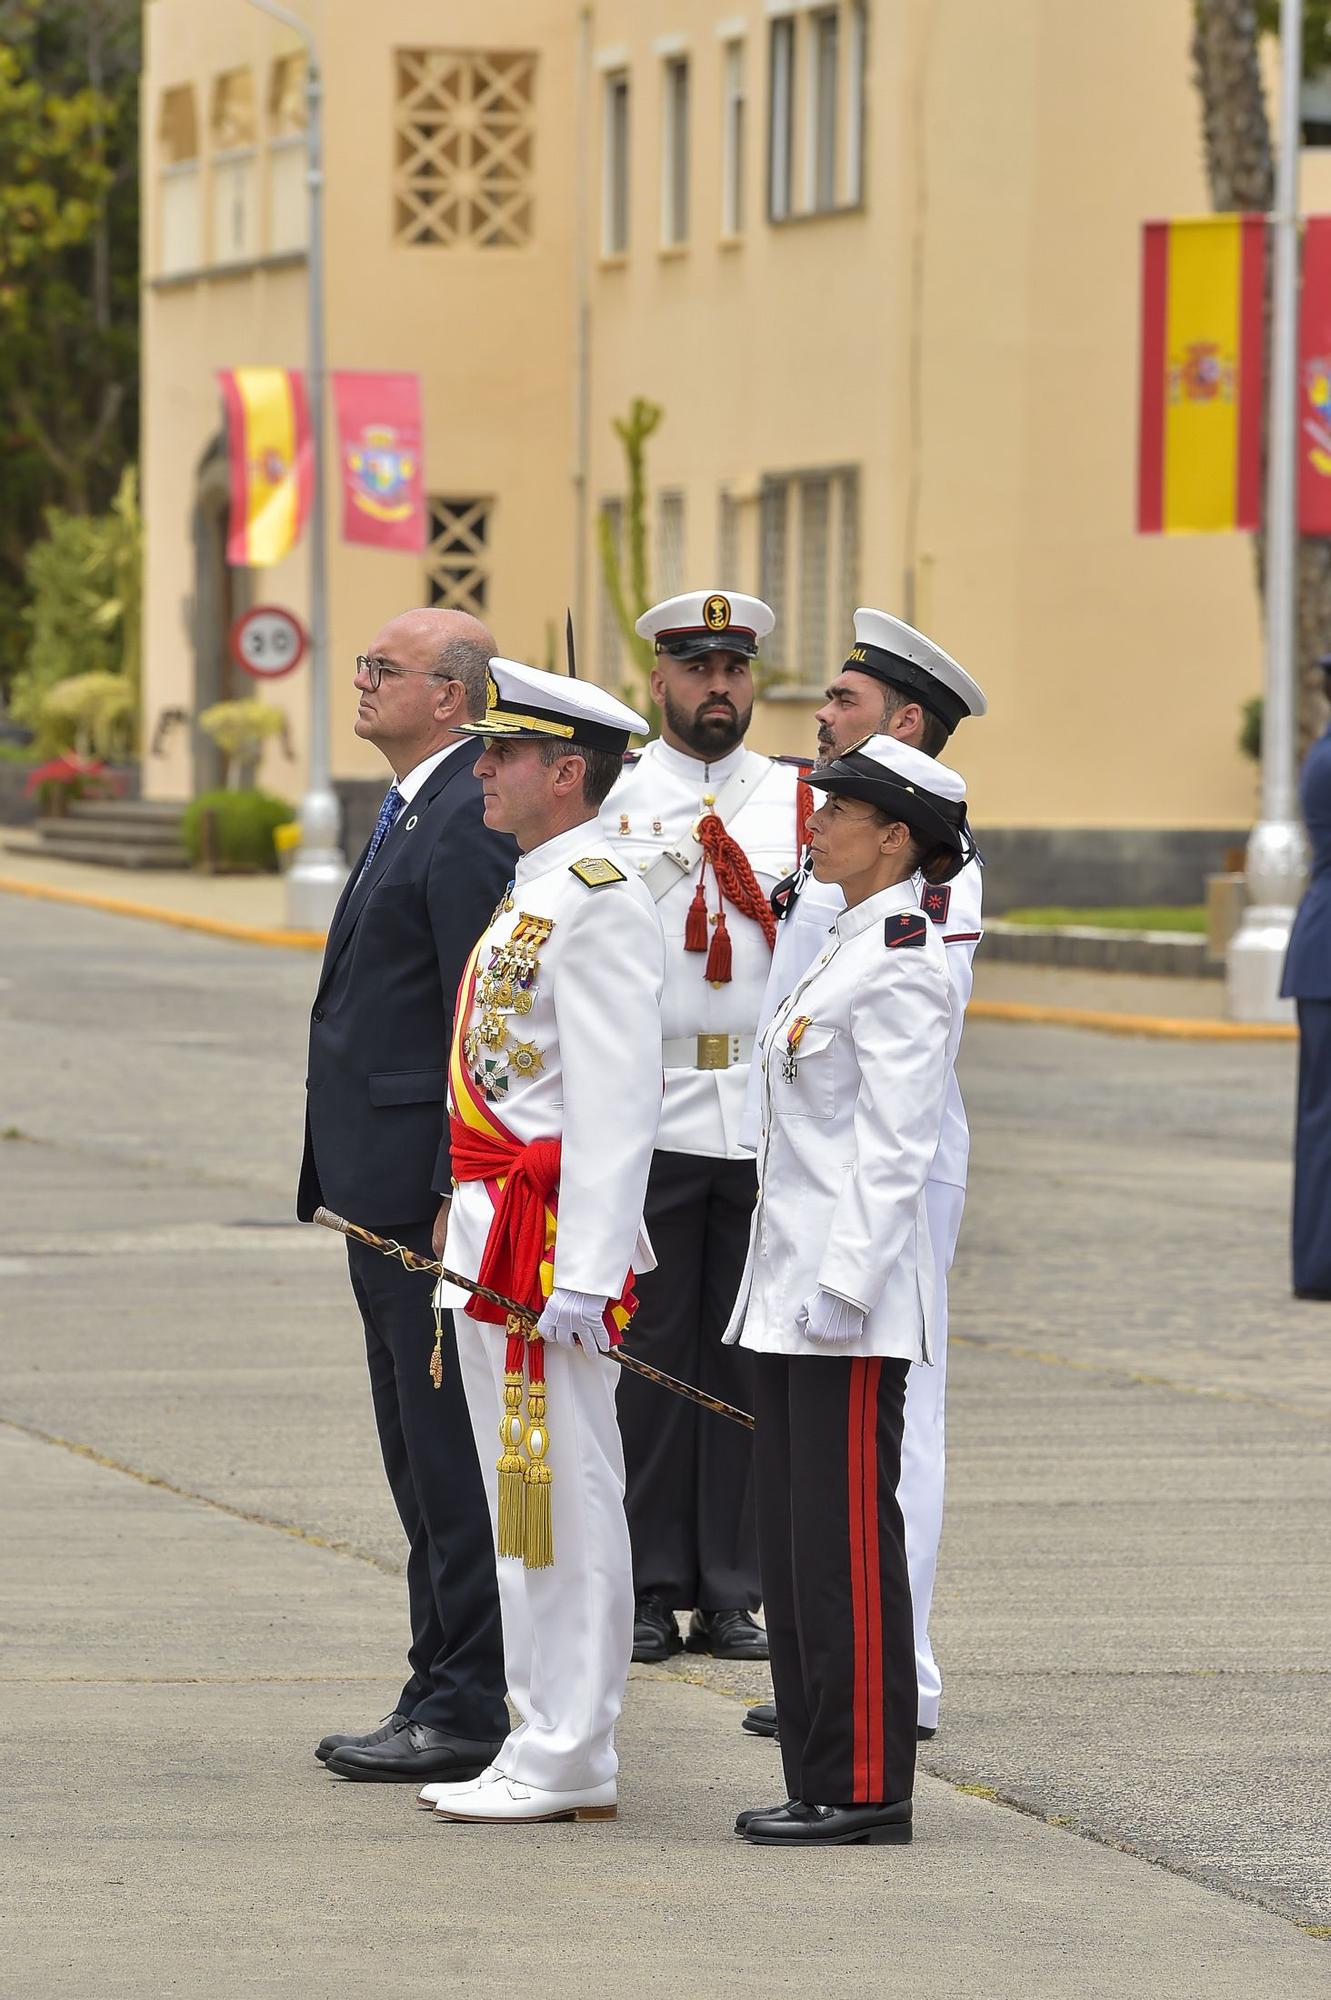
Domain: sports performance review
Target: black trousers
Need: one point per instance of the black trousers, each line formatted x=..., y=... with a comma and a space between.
x=835, y=1585
x=1312, y=1150
x=689, y=1497
x=456, y=1657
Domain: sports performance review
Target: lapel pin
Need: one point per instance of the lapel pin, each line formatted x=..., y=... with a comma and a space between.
x=411, y=822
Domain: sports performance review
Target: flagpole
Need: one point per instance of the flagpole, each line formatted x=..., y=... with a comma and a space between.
x=318, y=868
x=1276, y=849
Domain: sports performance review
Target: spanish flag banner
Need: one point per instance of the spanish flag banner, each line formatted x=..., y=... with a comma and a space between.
x=1199, y=470
x=272, y=462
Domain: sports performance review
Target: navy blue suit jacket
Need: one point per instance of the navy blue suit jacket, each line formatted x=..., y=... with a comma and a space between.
x=1308, y=960
x=376, y=1135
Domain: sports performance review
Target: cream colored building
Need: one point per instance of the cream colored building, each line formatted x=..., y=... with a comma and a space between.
x=877, y=260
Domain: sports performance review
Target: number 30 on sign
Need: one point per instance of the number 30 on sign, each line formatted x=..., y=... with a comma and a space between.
x=268, y=641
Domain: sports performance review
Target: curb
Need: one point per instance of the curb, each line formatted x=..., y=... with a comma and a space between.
x=181, y=920
x=1015, y=1012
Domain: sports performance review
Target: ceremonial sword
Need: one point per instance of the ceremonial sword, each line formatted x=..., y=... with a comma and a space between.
x=411, y=1262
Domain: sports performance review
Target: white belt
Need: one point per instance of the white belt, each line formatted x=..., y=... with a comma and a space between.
x=706, y=1051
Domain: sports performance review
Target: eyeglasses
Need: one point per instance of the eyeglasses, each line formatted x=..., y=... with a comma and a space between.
x=374, y=670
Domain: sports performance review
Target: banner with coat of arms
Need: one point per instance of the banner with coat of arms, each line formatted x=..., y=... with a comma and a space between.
x=1199, y=469
x=270, y=455
x=380, y=450
x=1314, y=418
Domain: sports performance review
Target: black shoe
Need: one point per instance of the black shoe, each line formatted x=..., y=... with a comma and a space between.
x=923, y=1733
x=417, y=1754
x=392, y=1725
x=833, y=1826
x=1310, y=1292
x=727, y=1635
x=655, y=1633
x=745, y=1819
x=760, y=1720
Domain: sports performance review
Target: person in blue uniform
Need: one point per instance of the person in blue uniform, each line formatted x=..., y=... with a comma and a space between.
x=1307, y=982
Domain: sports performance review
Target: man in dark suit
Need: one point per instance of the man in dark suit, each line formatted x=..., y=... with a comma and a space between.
x=376, y=1151
x=1307, y=981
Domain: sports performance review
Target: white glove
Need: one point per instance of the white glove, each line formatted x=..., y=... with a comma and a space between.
x=829, y=1321
x=575, y=1319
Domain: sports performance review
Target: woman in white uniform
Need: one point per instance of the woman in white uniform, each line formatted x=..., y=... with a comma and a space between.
x=838, y=1298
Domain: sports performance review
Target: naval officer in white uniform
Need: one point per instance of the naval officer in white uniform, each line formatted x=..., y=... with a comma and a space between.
x=897, y=682
x=554, y=1093
x=709, y=827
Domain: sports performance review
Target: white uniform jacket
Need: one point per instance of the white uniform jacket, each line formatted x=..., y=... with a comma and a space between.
x=575, y=1055
x=955, y=911
x=651, y=810
x=850, y=1125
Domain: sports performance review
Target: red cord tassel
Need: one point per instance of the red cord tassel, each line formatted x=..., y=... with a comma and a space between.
x=719, y=957
x=695, y=924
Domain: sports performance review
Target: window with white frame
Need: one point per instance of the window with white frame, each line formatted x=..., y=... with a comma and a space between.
x=288, y=194
x=809, y=567
x=734, y=121
x=180, y=236
x=234, y=168
x=815, y=137
x=615, y=164
x=609, y=638
x=675, y=153
x=669, y=578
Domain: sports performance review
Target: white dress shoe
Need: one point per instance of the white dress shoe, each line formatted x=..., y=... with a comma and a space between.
x=451, y=1788
x=508, y=1802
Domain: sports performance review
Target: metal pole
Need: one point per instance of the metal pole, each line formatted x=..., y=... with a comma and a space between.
x=1276, y=849
x=318, y=869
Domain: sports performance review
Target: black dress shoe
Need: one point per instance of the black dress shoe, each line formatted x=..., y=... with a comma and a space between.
x=655, y=1633
x=760, y=1720
x=745, y=1819
x=416, y=1755
x=832, y=1826
x=727, y=1635
x=392, y=1725
x=923, y=1733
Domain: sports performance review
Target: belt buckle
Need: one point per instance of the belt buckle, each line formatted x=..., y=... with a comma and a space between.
x=714, y=1052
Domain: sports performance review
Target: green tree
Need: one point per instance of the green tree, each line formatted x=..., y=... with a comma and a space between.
x=1240, y=170
x=626, y=577
x=69, y=73
x=84, y=582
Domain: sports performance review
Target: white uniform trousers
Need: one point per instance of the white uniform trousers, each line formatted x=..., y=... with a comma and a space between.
x=920, y=1491
x=568, y=1630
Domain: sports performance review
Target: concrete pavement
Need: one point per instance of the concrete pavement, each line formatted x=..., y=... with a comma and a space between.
x=1133, y=1599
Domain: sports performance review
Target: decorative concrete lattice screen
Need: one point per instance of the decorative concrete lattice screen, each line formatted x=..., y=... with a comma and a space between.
x=457, y=559
x=466, y=137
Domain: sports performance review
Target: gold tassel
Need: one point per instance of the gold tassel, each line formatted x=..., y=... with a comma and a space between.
x=538, y=1550
x=437, y=1358
x=512, y=1492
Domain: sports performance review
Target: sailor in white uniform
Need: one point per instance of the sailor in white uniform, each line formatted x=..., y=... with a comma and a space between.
x=898, y=682
x=709, y=827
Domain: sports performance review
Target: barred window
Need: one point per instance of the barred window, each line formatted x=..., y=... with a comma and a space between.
x=727, y=539
x=669, y=579
x=465, y=148
x=810, y=568
x=610, y=640
x=457, y=559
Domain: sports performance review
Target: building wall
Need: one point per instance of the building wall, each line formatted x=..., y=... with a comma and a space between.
x=964, y=338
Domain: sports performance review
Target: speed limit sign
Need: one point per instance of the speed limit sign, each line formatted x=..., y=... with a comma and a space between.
x=268, y=642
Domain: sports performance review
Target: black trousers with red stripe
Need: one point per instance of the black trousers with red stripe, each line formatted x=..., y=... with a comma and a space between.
x=836, y=1591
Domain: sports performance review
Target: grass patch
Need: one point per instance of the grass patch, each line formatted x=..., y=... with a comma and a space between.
x=1154, y=917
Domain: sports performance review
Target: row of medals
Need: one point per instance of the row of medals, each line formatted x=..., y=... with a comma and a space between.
x=506, y=988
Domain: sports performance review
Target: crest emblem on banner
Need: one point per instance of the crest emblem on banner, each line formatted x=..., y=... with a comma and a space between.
x=1317, y=412
x=1203, y=376
x=380, y=474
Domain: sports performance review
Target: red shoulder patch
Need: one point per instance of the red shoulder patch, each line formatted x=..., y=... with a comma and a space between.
x=906, y=929
x=936, y=901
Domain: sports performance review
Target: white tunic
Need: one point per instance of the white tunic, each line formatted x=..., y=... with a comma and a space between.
x=582, y=1064
x=802, y=935
x=652, y=808
x=848, y=1139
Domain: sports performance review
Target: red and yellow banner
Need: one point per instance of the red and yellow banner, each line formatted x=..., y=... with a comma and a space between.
x=1201, y=389
x=1314, y=404
x=381, y=451
x=272, y=462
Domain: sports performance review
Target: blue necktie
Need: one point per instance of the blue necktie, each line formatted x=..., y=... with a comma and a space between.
x=388, y=812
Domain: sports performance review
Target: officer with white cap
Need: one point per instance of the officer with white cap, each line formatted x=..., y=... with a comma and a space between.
x=709, y=827
x=839, y=1295
x=898, y=682
x=554, y=1094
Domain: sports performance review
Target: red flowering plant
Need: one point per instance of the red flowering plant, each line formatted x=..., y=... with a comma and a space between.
x=70, y=776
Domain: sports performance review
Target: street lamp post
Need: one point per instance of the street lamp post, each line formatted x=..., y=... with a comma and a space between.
x=318, y=868
x=1276, y=848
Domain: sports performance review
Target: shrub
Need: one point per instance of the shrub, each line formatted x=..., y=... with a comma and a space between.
x=94, y=714
x=240, y=729
x=243, y=825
